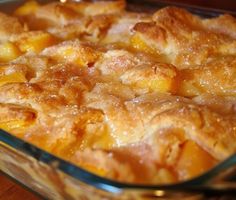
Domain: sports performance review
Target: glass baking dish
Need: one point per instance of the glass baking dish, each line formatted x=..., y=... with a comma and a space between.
x=54, y=178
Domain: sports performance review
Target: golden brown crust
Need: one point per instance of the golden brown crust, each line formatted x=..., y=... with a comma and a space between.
x=221, y=104
x=225, y=24
x=157, y=77
x=184, y=37
x=55, y=14
x=121, y=28
x=163, y=112
x=6, y=69
x=197, y=124
x=11, y=112
x=69, y=20
x=97, y=8
x=98, y=85
x=217, y=76
x=35, y=64
x=9, y=26
x=73, y=52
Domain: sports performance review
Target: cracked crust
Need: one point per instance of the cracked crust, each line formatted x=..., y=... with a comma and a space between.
x=9, y=26
x=185, y=38
x=118, y=92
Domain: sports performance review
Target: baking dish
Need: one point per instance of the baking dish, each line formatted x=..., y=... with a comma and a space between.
x=54, y=178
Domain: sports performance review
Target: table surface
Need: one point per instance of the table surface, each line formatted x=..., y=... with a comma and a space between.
x=12, y=191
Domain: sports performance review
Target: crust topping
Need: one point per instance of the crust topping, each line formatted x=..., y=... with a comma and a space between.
x=117, y=92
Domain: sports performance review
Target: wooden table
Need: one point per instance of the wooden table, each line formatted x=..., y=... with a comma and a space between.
x=12, y=191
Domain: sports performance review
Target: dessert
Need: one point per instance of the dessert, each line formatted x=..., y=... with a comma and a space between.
x=118, y=92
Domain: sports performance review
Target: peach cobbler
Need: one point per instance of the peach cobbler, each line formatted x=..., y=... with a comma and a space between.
x=135, y=97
